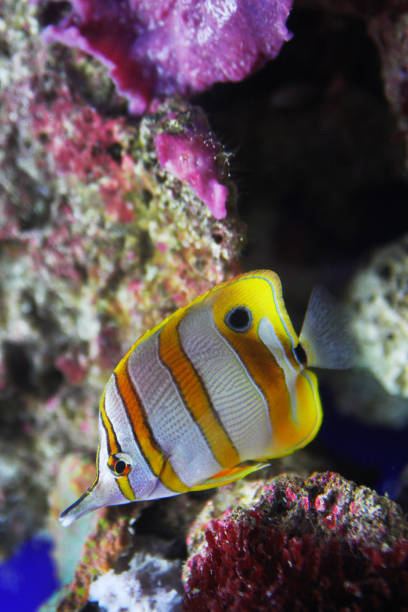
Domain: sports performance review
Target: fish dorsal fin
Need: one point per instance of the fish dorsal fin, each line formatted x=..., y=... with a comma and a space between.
x=326, y=334
x=226, y=476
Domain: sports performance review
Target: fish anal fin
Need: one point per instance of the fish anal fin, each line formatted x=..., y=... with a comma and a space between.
x=227, y=476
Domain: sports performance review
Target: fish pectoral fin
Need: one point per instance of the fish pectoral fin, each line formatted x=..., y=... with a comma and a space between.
x=224, y=477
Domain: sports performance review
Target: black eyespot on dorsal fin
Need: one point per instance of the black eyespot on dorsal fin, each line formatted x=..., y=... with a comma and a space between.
x=300, y=354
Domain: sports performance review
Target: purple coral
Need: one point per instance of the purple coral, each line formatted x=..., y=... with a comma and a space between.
x=174, y=46
x=319, y=544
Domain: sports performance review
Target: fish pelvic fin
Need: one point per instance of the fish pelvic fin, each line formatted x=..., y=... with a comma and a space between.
x=326, y=335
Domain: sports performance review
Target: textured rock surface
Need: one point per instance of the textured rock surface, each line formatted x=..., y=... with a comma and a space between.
x=180, y=47
x=192, y=157
x=98, y=243
x=133, y=558
x=379, y=299
x=150, y=584
x=118, y=538
x=360, y=395
x=321, y=543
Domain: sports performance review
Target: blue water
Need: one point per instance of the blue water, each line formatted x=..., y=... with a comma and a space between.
x=28, y=578
x=367, y=446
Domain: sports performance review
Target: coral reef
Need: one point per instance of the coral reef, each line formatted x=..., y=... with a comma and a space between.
x=150, y=584
x=360, y=395
x=133, y=558
x=378, y=296
x=192, y=158
x=109, y=221
x=379, y=318
x=176, y=47
x=131, y=538
x=98, y=243
x=322, y=543
x=102, y=550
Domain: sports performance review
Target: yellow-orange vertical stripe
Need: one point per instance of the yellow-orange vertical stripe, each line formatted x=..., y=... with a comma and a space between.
x=113, y=444
x=194, y=394
x=266, y=374
x=151, y=451
x=269, y=377
x=114, y=447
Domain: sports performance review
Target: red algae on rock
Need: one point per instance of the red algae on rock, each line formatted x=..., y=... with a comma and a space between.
x=154, y=50
x=101, y=550
x=320, y=543
x=132, y=559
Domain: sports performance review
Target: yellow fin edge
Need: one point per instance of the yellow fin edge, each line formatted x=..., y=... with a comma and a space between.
x=227, y=476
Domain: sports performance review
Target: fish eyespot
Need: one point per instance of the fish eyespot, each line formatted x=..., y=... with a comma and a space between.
x=300, y=354
x=239, y=319
x=120, y=464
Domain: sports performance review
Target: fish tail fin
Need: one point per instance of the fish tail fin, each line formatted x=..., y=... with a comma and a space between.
x=326, y=335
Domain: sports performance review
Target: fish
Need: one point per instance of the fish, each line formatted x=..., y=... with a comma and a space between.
x=212, y=393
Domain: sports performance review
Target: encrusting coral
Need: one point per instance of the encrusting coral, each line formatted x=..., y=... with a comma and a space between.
x=107, y=224
x=150, y=584
x=132, y=558
x=378, y=297
x=377, y=392
x=98, y=243
x=175, y=48
x=191, y=156
x=321, y=543
x=293, y=542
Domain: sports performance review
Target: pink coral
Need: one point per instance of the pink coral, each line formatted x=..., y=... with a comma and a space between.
x=83, y=145
x=73, y=367
x=317, y=544
x=253, y=566
x=192, y=159
x=174, y=46
x=87, y=146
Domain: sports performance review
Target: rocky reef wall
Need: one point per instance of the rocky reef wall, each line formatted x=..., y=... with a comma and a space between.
x=145, y=158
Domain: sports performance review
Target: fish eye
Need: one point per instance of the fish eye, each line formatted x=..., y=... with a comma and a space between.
x=239, y=319
x=120, y=464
